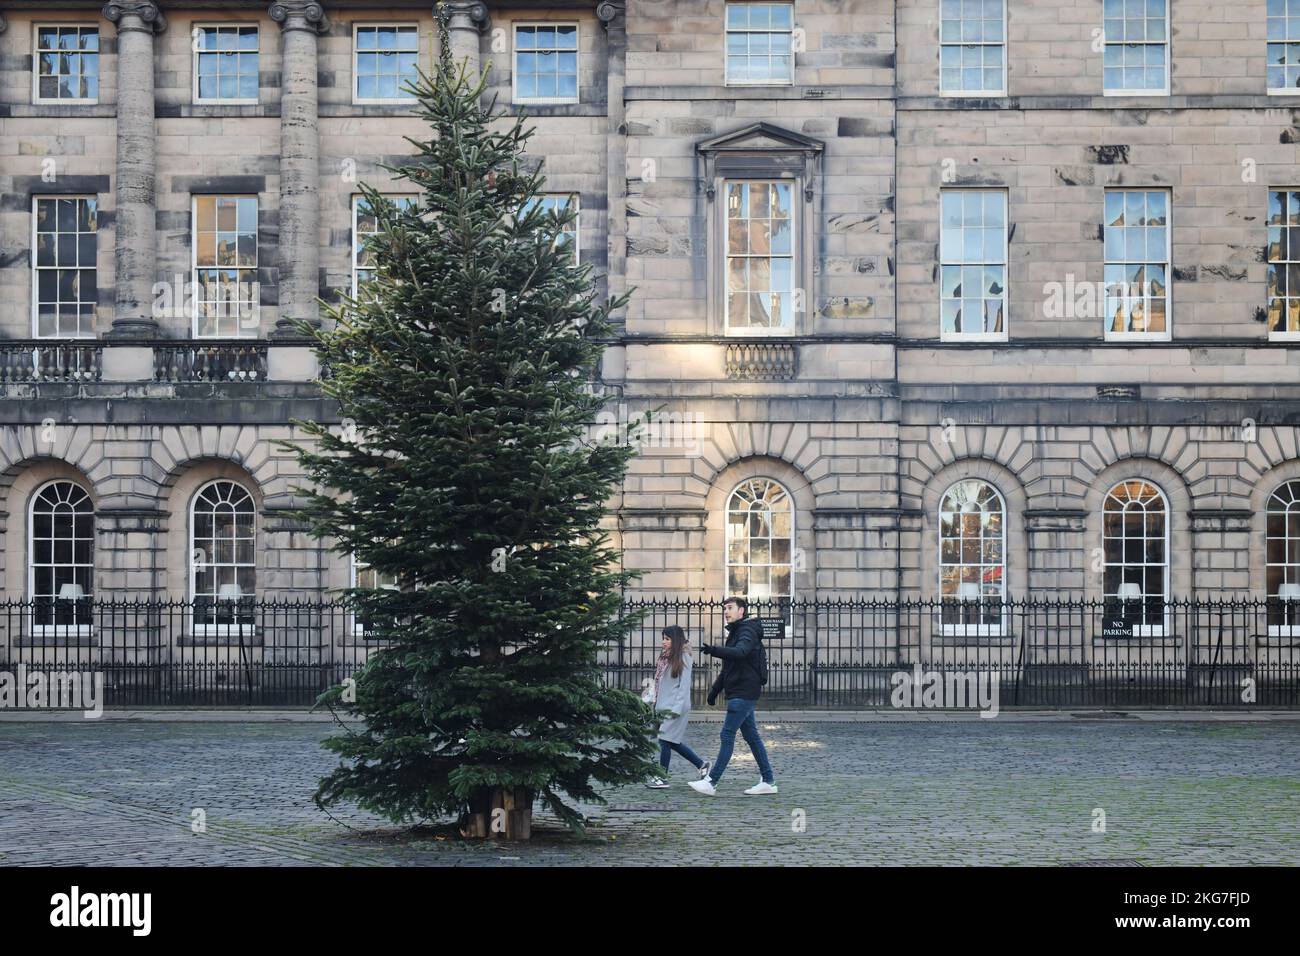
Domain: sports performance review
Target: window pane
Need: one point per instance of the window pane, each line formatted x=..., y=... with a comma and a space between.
x=758, y=43
x=546, y=62
x=62, y=542
x=1136, y=246
x=972, y=230
x=760, y=543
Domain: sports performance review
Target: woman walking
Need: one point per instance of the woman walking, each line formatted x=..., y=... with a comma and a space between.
x=673, y=693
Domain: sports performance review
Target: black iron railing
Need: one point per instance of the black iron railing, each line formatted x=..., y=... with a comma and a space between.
x=827, y=653
x=1044, y=653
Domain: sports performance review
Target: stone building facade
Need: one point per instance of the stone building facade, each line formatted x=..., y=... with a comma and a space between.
x=934, y=298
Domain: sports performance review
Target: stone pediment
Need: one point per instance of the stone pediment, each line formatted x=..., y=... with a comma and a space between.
x=760, y=137
x=760, y=151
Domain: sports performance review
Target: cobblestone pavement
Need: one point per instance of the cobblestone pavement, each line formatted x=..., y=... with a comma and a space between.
x=120, y=793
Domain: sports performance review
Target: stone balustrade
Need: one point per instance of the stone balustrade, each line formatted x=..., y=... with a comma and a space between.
x=44, y=361
x=761, y=361
x=214, y=362
x=40, y=361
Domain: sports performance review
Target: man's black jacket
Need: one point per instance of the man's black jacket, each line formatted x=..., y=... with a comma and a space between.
x=741, y=659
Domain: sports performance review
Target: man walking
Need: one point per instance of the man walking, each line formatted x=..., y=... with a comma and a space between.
x=741, y=679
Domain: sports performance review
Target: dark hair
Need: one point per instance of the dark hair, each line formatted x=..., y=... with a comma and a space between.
x=677, y=649
x=740, y=602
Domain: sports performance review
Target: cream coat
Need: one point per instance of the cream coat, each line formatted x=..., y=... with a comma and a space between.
x=674, y=694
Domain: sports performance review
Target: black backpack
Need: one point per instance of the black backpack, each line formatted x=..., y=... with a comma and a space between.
x=761, y=669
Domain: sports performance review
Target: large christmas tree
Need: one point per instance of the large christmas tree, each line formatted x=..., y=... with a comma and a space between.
x=466, y=473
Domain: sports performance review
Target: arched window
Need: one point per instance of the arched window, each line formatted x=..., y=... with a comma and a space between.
x=61, y=555
x=1282, y=556
x=760, y=540
x=1135, y=542
x=972, y=554
x=222, y=562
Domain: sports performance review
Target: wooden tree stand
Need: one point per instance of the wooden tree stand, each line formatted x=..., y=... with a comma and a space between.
x=507, y=815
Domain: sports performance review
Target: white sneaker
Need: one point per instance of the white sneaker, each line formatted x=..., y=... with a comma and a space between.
x=760, y=788
x=657, y=783
x=704, y=786
x=705, y=768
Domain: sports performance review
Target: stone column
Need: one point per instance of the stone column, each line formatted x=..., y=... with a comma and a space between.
x=613, y=16
x=135, y=250
x=301, y=21
x=464, y=24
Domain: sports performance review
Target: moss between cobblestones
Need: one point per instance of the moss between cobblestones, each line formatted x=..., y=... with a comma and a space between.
x=952, y=794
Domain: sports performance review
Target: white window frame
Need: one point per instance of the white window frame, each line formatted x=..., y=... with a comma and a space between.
x=1167, y=334
x=1285, y=18
x=514, y=64
x=217, y=630
x=357, y=98
x=796, y=270
x=945, y=335
x=1000, y=91
x=355, y=566
x=1142, y=630
x=576, y=199
x=37, y=269
x=726, y=542
x=241, y=332
x=726, y=67
x=356, y=204
x=194, y=69
x=1284, y=263
x=37, y=99
x=973, y=630
x=1107, y=42
x=358, y=628
x=1279, y=630
x=47, y=630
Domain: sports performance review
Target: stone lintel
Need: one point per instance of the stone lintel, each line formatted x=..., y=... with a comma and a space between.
x=1220, y=519
x=284, y=518
x=1055, y=519
x=127, y=519
x=662, y=519
x=875, y=519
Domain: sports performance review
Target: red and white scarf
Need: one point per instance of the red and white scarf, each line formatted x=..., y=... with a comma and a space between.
x=662, y=666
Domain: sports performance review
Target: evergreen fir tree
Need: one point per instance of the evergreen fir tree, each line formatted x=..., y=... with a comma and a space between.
x=467, y=470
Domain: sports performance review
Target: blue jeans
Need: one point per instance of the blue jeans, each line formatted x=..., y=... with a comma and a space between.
x=740, y=716
x=666, y=748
